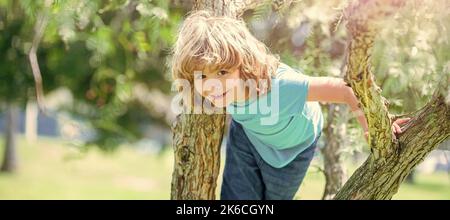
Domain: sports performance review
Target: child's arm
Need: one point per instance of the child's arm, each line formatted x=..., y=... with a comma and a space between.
x=335, y=90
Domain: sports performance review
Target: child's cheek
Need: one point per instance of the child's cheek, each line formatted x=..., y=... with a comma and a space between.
x=199, y=91
x=233, y=86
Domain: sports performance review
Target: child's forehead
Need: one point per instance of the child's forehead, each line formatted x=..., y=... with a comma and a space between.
x=207, y=69
x=214, y=68
x=210, y=69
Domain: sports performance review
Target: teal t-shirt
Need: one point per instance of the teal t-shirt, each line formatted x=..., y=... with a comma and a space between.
x=281, y=123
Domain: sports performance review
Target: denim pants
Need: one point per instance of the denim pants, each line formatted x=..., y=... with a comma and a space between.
x=248, y=177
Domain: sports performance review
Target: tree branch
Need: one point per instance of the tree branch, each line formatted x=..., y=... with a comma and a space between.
x=39, y=28
x=362, y=18
x=427, y=129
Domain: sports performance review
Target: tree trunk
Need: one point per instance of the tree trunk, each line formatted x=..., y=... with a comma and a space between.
x=334, y=169
x=10, y=156
x=197, y=140
x=392, y=158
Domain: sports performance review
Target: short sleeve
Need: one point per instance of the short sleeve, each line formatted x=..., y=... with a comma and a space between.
x=293, y=88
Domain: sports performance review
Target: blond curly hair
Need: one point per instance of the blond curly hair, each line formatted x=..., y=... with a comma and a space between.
x=219, y=43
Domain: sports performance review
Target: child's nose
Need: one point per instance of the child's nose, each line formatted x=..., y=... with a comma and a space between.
x=210, y=90
x=213, y=87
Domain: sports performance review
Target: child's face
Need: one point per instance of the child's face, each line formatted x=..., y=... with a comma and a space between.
x=220, y=87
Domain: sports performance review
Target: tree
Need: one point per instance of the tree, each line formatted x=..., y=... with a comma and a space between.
x=15, y=82
x=9, y=163
x=392, y=158
x=333, y=166
x=197, y=138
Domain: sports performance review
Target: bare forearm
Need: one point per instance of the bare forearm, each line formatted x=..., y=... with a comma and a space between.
x=353, y=102
x=335, y=90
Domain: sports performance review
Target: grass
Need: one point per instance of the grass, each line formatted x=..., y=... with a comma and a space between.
x=51, y=169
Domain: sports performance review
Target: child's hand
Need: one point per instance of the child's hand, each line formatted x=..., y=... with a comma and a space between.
x=396, y=125
x=396, y=129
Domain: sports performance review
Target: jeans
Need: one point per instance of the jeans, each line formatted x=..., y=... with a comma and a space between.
x=248, y=177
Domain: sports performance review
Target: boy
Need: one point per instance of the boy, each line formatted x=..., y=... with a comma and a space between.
x=276, y=118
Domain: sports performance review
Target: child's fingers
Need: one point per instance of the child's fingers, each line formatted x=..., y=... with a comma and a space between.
x=402, y=120
x=397, y=128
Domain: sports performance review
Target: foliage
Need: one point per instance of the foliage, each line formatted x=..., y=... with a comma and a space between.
x=97, y=49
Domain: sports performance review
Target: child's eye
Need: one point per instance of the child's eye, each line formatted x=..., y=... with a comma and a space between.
x=222, y=72
x=200, y=76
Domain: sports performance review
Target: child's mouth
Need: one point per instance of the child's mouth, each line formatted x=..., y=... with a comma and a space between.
x=219, y=96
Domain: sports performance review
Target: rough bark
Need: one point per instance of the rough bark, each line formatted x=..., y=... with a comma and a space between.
x=197, y=140
x=380, y=179
x=361, y=26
